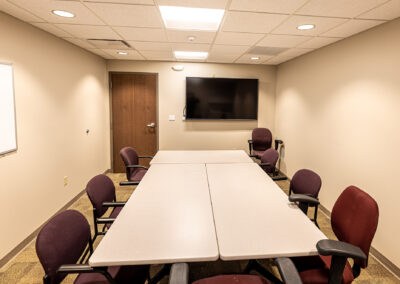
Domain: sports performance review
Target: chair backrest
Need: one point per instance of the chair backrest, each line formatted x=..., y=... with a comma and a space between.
x=62, y=241
x=271, y=157
x=262, y=139
x=306, y=182
x=100, y=189
x=129, y=157
x=354, y=219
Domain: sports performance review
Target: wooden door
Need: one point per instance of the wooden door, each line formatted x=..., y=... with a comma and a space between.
x=134, y=116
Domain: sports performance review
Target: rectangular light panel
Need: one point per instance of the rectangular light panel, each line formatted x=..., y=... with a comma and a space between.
x=196, y=55
x=183, y=18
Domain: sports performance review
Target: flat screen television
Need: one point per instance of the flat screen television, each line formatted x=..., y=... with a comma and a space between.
x=221, y=98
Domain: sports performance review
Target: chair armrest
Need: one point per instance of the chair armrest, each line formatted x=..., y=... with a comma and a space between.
x=149, y=157
x=288, y=271
x=75, y=268
x=253, y=156
x=113, y=204
x=338, y=248
x=105, y=220
x=136, y=166
x=126, y=183
x=264, y=164
x=303, y=199
x=179, y=273
x=250, y=146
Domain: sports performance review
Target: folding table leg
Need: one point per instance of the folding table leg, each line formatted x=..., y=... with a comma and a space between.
x=160, y=274
x=254, y=265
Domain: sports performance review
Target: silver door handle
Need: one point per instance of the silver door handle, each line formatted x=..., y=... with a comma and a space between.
x=152, y=125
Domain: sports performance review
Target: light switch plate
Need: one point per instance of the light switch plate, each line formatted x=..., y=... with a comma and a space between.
x=171, y=117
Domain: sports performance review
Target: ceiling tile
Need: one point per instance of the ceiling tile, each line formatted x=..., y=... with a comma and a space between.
x=270, y=6
x=352, y=27
x=338, y=8
x=145, y=2
x=246, y=58
x=79, y=42
x=158, y=55
x=142, y=34
x=237, y=38
x=277, y=60
x=52, y=29
x=85, y=31
x=43, y=9
x=211, y=4
x=19, y=13
x=182, y=36
x=282, y=40
x=294, y=52
x=251, y=22
x=101, y=53
x=228, y=49
x=190, y=47
x=132, y=54
x=128, y=15
x=387, y=11
x=151, y=46
x=221, y=58
x=289, y=27
x=317, y=42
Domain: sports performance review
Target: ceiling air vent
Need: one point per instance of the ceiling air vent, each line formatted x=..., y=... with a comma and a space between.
x=266, y=50
x=109, y=43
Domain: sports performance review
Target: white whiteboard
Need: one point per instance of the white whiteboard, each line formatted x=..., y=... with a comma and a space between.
x=8, y=135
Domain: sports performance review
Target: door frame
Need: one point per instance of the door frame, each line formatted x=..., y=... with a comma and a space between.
x=110, y=73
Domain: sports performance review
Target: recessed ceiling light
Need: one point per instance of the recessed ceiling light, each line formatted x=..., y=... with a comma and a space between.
x=191, y=38
x=306, y=27
x=64, y=14
x=255, y=58
x=122, y=53
x=197, y=55
x=184, y=18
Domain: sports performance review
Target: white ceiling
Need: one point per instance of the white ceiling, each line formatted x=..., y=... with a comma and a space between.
x=249, y=28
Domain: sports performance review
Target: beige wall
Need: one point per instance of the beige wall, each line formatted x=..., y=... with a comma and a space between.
x=203, y=134
x=60, y=91
x=338, y=111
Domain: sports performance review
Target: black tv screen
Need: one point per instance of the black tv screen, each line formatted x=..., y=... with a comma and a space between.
x=221, y=98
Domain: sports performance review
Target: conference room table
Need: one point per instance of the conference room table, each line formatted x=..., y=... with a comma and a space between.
x=201, y=208
x=201, y=157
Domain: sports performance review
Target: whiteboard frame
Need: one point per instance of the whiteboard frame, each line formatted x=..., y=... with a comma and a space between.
x=15, y=110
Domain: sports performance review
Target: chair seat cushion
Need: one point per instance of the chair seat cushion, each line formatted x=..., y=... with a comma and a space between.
x=259, y=153
x=315, y=270
x=138, y=175
x=122, y=275
x=233, y=279
x=114, y=214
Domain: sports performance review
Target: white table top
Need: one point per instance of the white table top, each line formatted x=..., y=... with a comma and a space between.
x=201, y=157
x=167, y=219
x=253, y=217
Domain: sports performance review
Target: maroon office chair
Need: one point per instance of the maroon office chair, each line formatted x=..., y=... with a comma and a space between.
x=354, y=220
x=60, y=244
x=261, y=140
x=101, y=192
x=180, y=275
x=268, y=161
x=134, y=171
x=304, y=189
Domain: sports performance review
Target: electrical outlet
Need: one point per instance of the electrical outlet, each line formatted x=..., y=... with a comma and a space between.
x=65, y=180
